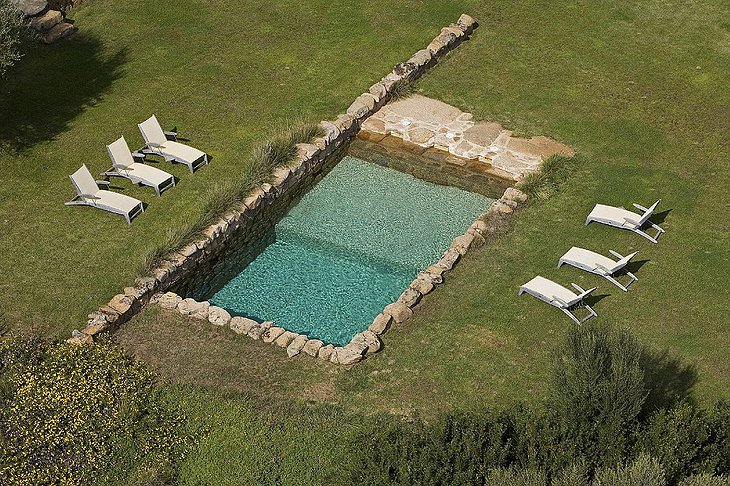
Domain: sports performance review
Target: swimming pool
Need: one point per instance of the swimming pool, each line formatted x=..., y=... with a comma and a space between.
x=347, y=249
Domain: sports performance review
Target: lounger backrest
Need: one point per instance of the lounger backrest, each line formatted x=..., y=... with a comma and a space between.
x=622, y=263
x=152, y=131
x=84, y=182
x=119, y=152
x=647, y=213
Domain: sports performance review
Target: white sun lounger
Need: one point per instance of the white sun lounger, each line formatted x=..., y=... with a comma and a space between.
x=164, y=144
x=593, y=262
x=624, y=219
x=89, y=194
x=558, y=296
x=123, y=165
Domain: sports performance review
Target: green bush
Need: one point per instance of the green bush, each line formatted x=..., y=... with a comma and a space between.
x=81, y=415
x=689, y=441
x=11, y=24
x=554, y=171
x=643, y=471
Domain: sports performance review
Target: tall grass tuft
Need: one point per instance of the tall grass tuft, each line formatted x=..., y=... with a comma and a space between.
x=554, y=171
x=264, y=157
x=401, y=89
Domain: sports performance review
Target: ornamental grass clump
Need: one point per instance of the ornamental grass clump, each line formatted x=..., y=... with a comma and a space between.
x=553, y=172
x=82, y=415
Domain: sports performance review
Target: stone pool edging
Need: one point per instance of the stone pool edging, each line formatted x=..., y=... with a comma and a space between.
x=308, y=161
x=366, y=342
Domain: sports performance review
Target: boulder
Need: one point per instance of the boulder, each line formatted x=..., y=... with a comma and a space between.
x=410, y=297
x=449, y=258
x=380, y=323
x=350, y=354
x=58, y=32
x=367, y=339
x=331, y=132
x=437, y=46
x=168, y=300
x=362, y=106
x=421, y=58
x=325, y=352
x=514, y=194
x=312, y=347
x=296, y=346
x=378, y=91
x=467, y=23
x=45, y=22
x=121, y=303
x=30, y=7
x=501, y=207
x=462, y=243
x=333, y=357
x=256, y=332
x=191, y=307
x=399, y=311
x=242, y=325
x=271, y=334
x=79, y=338
x=285, y=339
x=422, y=286
x=218, y=316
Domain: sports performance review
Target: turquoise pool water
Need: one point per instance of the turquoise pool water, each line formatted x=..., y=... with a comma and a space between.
x=351, y=246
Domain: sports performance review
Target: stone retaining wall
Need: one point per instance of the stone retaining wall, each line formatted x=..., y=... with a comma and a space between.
x=262, y=208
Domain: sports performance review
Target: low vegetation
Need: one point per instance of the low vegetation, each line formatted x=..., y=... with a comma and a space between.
x=83, y=415
x=11, y=25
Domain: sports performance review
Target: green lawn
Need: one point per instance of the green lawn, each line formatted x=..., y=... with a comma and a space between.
x=639, y=89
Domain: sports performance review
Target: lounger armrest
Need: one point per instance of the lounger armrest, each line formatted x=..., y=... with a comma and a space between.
x=138, y=155
x=560, y=301
x=616, y=254
x=640, y=207
x=632, y=221
x=154, y=144
x=171, y=135
x=102, y=183
x=88, y=196
x=603, y=269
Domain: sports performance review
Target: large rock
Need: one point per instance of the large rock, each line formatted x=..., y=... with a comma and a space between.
x=467, y=23
x=121, y=303
x=380, y=323
x=514, y=194
x=350, y=354
x=410, y=297
x=421, y=58
x=218, y=316
x=169, y=300
x=242, y=325
x=296, y=346
x=45, y=22
x=312, y=347
x=272, y=334
x=58, y=32
x=422, y=285
x=285, y=339
x=399, y=311
x=30, y=7
x=325, y=352
x=462, y=243
x=449, y=259
x=193, y=308
x=367, y=339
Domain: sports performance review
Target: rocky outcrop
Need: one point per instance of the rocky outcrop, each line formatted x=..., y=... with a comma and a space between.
x=51, y=25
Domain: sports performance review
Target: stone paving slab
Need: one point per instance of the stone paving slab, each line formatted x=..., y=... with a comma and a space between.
x=431, y=123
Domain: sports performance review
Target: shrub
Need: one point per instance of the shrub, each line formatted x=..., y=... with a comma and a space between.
x=643, y=471
x=598, y=391
x=81, y=415
x=689, y=441
x=11, y=24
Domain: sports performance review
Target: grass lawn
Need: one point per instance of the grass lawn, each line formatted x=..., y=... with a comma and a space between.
x=639, y=89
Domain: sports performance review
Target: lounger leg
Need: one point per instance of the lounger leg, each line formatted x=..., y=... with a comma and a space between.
x=571, y=315
x=615, y=282
x=639, y=232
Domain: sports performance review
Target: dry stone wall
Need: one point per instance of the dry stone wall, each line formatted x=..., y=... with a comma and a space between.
x=256, y=215
x=50, y=24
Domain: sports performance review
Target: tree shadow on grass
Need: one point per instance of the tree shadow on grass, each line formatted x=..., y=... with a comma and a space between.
x=50, y=86
x=668, y=379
